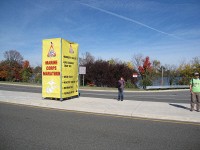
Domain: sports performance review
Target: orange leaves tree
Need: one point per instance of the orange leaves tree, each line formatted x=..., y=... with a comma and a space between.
x=4, y=70
x=146, y=72
x=10, y=71
x=11, y=66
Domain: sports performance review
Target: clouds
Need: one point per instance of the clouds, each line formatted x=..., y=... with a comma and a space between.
x=107, y=29
x=131, y=20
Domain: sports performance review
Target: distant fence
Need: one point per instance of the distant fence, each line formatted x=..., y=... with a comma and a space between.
x=167, y=87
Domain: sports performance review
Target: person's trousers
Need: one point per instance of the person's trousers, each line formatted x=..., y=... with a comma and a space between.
x=195, y=98
x=120, y=94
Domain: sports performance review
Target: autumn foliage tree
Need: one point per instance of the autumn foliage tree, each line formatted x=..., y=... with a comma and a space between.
x=146, y=72
x=101, y=72
x=187, y=69
x=10, y=71
x=4, y=70
x=11, y=66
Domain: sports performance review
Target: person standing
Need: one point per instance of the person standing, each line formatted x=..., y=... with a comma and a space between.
x=121, y=84
x=195, y=92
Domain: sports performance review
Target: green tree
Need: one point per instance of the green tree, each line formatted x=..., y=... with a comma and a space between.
x=172, y=74
x=26, y=71
x=196, y=64
x=37, y=73
x=130, y=65
x=186, y=72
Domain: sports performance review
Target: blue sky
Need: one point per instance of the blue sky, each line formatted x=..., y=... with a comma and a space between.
x=165, y=30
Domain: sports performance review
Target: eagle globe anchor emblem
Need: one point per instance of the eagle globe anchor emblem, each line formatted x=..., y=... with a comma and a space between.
x=71, y=49
x=51, y=52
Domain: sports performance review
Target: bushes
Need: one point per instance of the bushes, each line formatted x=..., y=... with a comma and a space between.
x=105, y=74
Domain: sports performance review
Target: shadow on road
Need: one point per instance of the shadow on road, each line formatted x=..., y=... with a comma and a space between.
x=179, y=106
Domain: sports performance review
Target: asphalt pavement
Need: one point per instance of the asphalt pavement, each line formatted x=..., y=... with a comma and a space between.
x=142, y=109
x=34, y=128
x=169, y=96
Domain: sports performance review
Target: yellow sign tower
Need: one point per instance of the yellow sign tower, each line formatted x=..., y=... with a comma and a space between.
x=59, y=69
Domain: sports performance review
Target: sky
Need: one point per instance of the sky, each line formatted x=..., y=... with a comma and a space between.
x=164, y=30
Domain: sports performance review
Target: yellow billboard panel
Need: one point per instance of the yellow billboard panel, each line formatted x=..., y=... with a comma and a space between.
x=69, y=69
x=59, y=68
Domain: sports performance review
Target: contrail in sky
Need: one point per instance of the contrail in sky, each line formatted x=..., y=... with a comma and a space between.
x=131, y=20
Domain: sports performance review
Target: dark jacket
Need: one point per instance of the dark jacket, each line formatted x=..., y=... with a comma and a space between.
x=121, y=84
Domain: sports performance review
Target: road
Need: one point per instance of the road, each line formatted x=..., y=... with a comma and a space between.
x=176, y=96
x=23, y=128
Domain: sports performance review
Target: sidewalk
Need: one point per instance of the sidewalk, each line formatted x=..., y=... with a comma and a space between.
x=153, y=110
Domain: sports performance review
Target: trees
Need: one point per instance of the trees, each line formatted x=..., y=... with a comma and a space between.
x=137, y=60
x=3, y=70
x=106, y=73
x=171, y=74
x=26, y=71
x=11, y=66
x=146, y=72
x=186, y=70
x=86, y=59
x=99, y=73
x=10, y=71
x=13, y=56
x=186, y=73
x=37, y=73
x=196, y=64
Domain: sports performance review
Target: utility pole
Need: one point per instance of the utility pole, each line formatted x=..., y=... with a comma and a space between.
x=162, y=68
